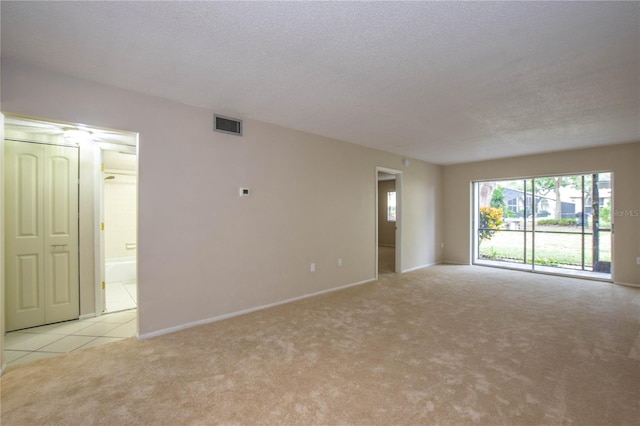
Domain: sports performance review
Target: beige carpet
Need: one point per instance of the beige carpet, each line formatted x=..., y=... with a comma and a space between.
x=386, y=260
x=445, y=345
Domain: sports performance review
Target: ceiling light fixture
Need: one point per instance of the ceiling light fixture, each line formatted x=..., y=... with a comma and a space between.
x=77, y=136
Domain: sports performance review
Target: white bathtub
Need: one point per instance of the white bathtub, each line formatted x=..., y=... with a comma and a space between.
x=120, y=269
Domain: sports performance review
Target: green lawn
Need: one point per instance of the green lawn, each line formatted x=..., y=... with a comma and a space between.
x=551, y=249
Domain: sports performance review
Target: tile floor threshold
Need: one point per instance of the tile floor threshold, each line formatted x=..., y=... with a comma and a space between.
x=121, y=296
x=36, y=343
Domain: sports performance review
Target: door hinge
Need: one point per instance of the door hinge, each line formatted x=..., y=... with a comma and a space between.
x=102, y=167
x=103, y=285
x=102, y=226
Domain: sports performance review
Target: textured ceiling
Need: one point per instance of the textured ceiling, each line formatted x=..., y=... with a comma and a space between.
x=445, y=82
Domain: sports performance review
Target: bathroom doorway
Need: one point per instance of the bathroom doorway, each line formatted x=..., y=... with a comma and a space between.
x=118, y=226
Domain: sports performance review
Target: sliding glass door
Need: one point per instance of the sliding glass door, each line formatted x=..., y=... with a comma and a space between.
x=556, y=224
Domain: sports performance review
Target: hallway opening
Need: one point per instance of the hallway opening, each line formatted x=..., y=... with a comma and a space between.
x=72, y=158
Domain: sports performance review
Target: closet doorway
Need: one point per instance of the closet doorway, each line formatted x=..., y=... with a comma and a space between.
x=41, y=234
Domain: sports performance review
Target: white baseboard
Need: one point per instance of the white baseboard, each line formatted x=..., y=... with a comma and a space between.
x=627, y=284
x=421, y=267
x=85, y=316
x=243, y=312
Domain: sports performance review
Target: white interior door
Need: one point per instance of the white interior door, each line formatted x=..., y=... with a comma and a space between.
x=41, y=233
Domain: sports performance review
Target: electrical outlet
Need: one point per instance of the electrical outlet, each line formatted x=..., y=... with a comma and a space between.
x=638, y=260
x=313, y=267
x=441, y=245
x=340, y=262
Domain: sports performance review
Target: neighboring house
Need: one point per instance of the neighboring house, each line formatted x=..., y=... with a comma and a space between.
x=545, y=205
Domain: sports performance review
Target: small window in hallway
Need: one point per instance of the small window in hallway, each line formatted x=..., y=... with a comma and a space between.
x=391, y=206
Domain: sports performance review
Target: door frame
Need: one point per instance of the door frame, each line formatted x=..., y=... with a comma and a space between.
x=99, y=240
x=399, y=210
x=2, y=363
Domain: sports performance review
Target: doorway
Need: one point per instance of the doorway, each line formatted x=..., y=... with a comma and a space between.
x=89, y=143
x=388, y=221
x=118, y=246
x=86, y=141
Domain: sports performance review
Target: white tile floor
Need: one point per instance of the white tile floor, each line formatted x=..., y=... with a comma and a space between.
x=50, y=340
x=120, y=296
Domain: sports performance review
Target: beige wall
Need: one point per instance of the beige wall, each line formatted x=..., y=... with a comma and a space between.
x=623, y=160
x=205, y=252
x=386, y=229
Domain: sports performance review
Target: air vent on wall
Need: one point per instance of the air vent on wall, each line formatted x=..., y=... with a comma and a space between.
x=227, y=125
